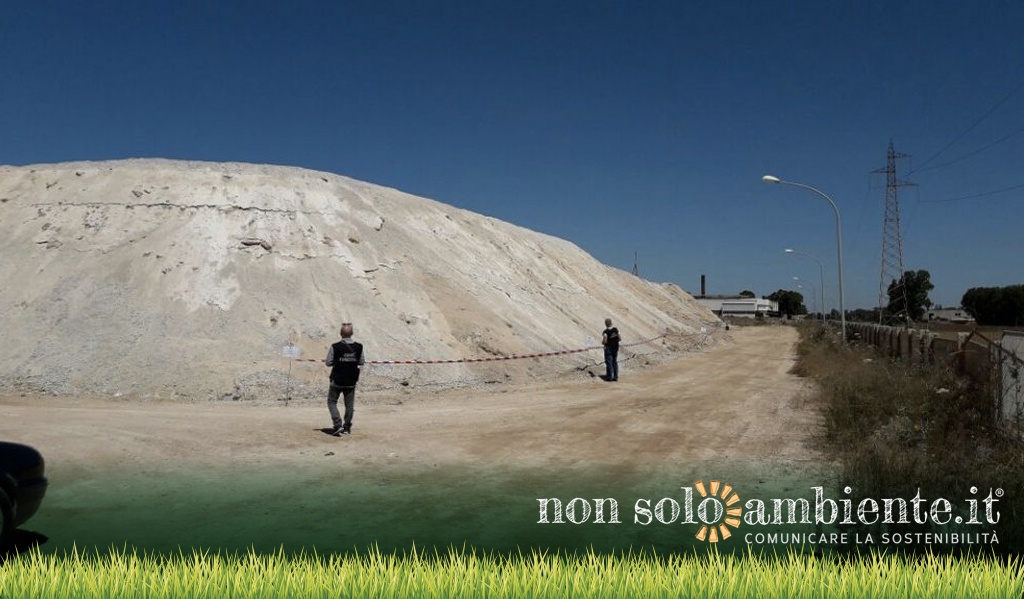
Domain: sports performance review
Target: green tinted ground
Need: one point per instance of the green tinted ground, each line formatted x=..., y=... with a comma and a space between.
x=492, y=510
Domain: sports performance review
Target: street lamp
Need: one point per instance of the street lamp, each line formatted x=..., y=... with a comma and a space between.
x=813, y=291
x=821, y=277
x=839, y=240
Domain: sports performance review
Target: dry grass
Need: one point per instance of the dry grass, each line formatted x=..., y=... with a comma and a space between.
x=897, y=428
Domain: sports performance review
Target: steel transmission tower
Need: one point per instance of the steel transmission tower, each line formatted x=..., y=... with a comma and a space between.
x=892, y=240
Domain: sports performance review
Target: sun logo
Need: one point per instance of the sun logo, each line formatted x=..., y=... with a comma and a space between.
x=719, y=511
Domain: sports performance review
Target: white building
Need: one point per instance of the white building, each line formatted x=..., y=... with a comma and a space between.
x=958, y=315
x=747, y=307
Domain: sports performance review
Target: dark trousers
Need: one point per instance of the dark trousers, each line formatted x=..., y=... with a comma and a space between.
x=611, y=363
x=349, y=395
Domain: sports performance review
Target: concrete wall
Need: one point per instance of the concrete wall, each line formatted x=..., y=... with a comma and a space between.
x=1012, y=377
x=972, y=355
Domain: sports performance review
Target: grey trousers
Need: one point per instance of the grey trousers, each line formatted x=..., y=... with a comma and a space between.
x=349, y=396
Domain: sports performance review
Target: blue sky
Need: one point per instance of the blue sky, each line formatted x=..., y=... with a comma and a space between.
x=626, y=127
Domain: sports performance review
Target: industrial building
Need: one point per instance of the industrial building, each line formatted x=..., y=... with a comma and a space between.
x=740, y=306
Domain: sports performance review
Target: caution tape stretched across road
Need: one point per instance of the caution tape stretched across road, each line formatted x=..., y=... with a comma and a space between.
x=563, y=352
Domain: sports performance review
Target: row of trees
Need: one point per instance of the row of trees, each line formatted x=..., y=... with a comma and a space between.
x=909, y=301
x=995, y=305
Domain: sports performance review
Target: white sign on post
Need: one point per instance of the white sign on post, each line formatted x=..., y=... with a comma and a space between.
x=291, y=352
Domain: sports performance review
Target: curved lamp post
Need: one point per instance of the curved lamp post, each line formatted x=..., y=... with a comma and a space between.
x=821, y=277
x=839, y=239
x=799, y=284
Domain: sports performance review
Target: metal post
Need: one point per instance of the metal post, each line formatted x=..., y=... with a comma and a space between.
x=839, y=240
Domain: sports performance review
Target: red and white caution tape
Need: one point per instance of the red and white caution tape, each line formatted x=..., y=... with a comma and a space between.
x=513, y=357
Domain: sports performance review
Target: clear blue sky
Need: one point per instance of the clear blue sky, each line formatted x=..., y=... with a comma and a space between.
x=622, y=126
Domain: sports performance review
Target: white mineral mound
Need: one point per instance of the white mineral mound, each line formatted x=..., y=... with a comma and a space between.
x=169, y=278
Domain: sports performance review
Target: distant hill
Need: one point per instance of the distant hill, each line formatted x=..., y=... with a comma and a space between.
x=186, y=279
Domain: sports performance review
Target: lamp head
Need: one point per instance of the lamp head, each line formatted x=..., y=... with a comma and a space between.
x=771, y=179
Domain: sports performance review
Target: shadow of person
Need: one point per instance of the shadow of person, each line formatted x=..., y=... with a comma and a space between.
x=21, y=541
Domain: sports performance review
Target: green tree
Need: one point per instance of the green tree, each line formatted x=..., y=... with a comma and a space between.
x=995, y=306
x=790, y=302
x=747, y=293
x=908, y=297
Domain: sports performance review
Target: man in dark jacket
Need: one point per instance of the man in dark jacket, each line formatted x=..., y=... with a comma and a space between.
x=345, y=359
x=610, y=341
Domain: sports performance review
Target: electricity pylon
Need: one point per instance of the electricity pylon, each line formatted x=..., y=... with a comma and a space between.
x=892, y=241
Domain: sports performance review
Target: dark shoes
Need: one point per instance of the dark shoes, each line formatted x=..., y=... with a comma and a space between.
x=342, y=430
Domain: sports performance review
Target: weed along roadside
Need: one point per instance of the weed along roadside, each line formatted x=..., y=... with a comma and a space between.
x=901, y=430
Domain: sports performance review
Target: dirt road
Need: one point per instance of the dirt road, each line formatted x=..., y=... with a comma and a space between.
x=735, y=403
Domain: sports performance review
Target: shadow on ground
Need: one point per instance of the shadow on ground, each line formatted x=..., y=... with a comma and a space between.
x=22, y=541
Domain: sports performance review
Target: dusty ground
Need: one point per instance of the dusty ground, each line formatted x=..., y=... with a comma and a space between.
x=734, y=401
x=445, y=467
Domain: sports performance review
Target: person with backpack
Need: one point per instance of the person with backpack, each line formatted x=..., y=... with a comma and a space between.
x=610, y=341
x=345, y=359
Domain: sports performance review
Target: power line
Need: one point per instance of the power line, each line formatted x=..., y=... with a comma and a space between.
x=973, y=125
x=975, y=196
x=977, y=151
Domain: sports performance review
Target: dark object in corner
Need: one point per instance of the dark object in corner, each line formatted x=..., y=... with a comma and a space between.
x=22, y=487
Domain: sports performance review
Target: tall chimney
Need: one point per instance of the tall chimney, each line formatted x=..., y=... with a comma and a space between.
x=703, y=286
